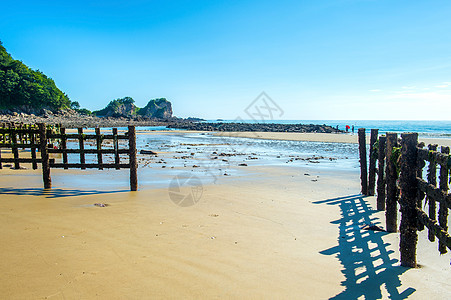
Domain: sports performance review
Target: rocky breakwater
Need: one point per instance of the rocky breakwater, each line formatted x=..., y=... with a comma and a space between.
x=260, y=127
x=72, y=119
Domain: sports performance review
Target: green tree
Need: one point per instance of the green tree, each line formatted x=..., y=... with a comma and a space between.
x=21, y=86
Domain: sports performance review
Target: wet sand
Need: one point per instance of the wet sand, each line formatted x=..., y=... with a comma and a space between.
x=277, y=232
x=319, y=137
x=288, y=136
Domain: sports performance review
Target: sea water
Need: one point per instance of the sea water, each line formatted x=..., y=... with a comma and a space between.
x=432, y=129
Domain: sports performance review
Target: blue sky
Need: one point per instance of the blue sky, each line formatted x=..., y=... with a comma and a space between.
x=348, y=59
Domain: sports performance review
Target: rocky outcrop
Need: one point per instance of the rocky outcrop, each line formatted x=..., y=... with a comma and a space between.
x=123, y=107
x=262, y=127
x=157, y=109
x=74, y=119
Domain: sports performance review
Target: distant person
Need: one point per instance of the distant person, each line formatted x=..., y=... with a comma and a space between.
x=352, y=128
x=347, y=128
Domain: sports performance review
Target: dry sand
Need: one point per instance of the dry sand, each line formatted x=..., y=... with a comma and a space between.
x=276, y=234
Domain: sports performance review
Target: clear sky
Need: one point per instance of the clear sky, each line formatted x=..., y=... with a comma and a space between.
x=341, y=59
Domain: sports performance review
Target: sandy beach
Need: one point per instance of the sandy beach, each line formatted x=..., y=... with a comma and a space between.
x=271, y=232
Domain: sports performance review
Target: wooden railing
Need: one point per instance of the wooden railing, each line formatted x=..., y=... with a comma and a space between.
x=38, y=137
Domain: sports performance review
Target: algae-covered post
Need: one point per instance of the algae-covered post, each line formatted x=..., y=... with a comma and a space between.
x=81, y=145
x=391, y=175
x=443, y=210
x=99, y=148
x=116, y=148
x=15, y=149
x=372, y=166
x=381, y=174
x=408, y=201
x=33, y=149
x=64, y=146
x=133, y=163
x=363, y=165
x=44, y=156
x=420, y=195
x=432, y=179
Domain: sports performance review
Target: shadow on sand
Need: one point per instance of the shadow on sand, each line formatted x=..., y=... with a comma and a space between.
x=368, y=267
x=53, y=193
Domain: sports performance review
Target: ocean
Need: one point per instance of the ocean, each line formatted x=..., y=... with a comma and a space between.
x=432, y=129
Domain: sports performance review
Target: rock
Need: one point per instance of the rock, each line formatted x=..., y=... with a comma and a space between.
x=262, y=127
x=157, y=109
x=150, y=152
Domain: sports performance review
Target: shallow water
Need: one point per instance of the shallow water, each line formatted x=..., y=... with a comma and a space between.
x=212, y=157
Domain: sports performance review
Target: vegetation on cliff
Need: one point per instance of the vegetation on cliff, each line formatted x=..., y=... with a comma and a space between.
x=27, y=89
x=31, y=91
x=122, y=107
x=157, y=108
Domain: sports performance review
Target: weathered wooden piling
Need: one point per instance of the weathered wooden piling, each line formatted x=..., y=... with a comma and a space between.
x=420, y=195
x=44, y=156
x=15, y=149
x=99, y=148
x=381, y=174
x=33, y=150
x=82, y=148
x=432, y=179
x=133, y=162
x=443, y=210
x=408, y=201
x=372, y=166
x=116, y=149
x=64, y=146
x=391, y=175
x=363, y=163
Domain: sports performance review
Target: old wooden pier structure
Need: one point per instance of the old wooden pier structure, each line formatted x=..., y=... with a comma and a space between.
x=400, y=183
x=41, y=140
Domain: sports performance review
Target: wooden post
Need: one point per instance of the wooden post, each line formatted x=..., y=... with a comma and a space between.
x=132, y=154
x=82, y=148
x=19, y=133
x=408, y=201
x=64, y=146
x=372, y=167
x=420, y=195
x=15, y=149
x=381, y=174
x=391, y=175
x=10, y=126
x=432, y=179
x=99, y=148
x=33, y=148
x=363, y=165
x=4, y=134
x=443, y=210
x=44, y=157
x=116, y=148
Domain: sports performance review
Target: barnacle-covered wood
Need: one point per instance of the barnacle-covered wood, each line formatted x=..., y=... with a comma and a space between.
x=432, y=180
x=391, y=204
x=372, y=166
x=443, y=210
x=363, y=164
x=433, y=226
x=408, y=200
x=381, y=174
